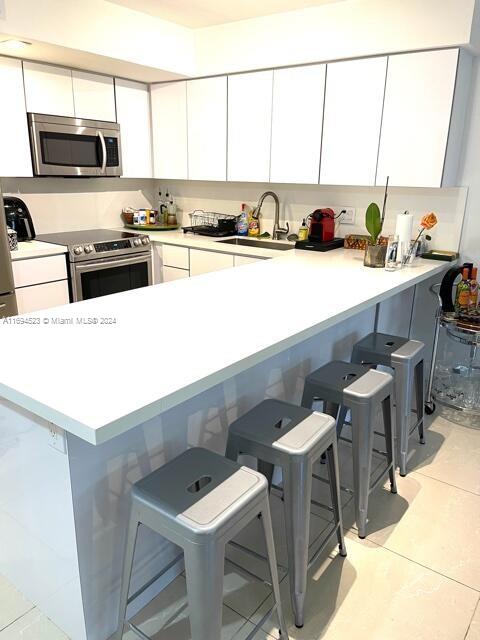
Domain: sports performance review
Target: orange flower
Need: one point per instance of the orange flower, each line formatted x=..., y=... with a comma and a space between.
x=429, y=221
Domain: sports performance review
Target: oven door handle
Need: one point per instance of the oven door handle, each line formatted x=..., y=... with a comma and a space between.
x=104, y=152
x=112, y=262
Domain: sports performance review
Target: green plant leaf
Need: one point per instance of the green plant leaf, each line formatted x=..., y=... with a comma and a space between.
x=373, y=221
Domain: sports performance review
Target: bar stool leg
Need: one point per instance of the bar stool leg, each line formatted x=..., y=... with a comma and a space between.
x=332, y=458
x=204, y=566
x=126, y=574
x=389, y=441
x=362, y=443
x=272, y=562
x=308, y=396
x=297, y=495
x=267, y=469
x=403, y=398
x=342, y=416
x=420, y=397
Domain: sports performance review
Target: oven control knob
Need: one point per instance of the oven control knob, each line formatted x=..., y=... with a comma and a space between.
x=77, y=250
x=137, y=242
x=88, y=248
x=145, y=240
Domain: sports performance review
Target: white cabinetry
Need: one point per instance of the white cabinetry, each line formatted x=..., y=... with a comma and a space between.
x=352, y=120
x=40, y=283
x=15, y=158
x=238, y=261
x=172, y=273
x=207, y=128
x=48, y=89
x=169, y=130
x=297, y=115
x=206, y=261
x=419, y=97
x=249, y=126
x=133, y=116
x=94, y=96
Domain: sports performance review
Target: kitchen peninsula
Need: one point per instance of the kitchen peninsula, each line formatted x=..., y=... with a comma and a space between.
x=88, y=408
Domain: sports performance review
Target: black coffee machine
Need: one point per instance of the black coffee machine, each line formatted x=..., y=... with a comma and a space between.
x=18, y=218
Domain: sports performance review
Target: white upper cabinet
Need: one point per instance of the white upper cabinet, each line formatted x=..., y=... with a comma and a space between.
x=297, y=116
x=94, y=96
x=48, y=89
x=249, y=126
x=351, y=127
x=133, y=116
x=207, y=128
x=15, y=158
x=169, y=129
x=416, y=120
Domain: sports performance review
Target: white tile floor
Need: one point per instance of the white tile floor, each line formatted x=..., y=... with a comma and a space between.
x=417, y=575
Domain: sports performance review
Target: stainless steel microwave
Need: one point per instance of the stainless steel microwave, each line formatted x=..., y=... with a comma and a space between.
x=74, y=147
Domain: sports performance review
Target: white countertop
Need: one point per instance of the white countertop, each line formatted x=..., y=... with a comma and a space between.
x=193, y=241
x=85, y=380
x=37, y=249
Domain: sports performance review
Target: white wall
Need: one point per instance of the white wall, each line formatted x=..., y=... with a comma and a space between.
x=297, y=201
x=59, y=204
x=332, y=31
x=470, y=173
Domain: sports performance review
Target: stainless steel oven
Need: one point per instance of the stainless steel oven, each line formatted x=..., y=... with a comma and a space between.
x=74, y=146
x=95, y=278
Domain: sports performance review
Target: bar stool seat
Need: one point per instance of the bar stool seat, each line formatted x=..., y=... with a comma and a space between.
x=199, y=501
x=292, y=437
x=406, y=358
x=362, y=390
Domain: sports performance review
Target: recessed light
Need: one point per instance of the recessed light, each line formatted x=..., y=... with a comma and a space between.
x=14, y=44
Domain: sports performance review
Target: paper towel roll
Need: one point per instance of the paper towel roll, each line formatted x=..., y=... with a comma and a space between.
x=404, y=230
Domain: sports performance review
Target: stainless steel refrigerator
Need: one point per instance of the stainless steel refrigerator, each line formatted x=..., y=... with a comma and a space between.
x=8, y=302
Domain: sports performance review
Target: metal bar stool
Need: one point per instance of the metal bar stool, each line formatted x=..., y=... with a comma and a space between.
x=361, y=389
x=406, y=358
x=278, y=433
x=199, y=501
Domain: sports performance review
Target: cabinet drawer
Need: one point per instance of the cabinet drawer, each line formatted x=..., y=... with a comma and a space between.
x=175, y=256
x=39, y=270
x=206, y=261
x=42, y=296
x=172, y=273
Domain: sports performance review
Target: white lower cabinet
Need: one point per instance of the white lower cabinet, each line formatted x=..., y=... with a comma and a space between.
x=238, y=261
x=172, y=273
x=42, y=296
x=207, y=261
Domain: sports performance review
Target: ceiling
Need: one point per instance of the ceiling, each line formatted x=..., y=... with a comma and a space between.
x=204, y=13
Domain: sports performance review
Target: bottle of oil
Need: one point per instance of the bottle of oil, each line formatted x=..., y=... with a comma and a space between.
x=462, y=300
x=473, y=301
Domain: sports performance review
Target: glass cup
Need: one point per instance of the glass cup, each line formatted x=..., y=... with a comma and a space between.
x=393, y=261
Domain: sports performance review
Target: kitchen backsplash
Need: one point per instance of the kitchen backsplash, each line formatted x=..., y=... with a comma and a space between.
x=62, y=204
x=59, y=204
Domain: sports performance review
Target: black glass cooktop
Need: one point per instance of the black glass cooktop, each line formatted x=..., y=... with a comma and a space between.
x=90, y=236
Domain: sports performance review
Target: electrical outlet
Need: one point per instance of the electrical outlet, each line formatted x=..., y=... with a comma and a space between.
x=57, y=438
x=2, y=10
x=348, y=217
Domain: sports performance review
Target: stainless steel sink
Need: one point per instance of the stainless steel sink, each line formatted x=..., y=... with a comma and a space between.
x=260, y=244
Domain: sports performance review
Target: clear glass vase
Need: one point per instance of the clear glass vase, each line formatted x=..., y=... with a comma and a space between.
x=375, y=255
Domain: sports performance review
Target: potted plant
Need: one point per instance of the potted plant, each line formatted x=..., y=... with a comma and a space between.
x=375, y=253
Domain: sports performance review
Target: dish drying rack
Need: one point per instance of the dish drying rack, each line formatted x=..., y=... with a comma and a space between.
x=210, y=223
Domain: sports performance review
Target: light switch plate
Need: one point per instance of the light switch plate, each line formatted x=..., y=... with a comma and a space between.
x=2, y=10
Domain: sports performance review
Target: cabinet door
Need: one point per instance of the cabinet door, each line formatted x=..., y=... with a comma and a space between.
x=206, y=261
x=416, y=118
x=351, y=127
x=169, y=128
x=297, y=124
x=133, y=116
x=249, y=126
x=171, y=273
x=42, y=296
x=48, y=89
x=39, y=270
x=207, y=128
x=15, y=160
x=238, y=261
x=174, y=256
x=94, y=96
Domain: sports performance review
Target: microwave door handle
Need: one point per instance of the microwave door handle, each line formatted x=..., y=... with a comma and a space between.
x=104, y=152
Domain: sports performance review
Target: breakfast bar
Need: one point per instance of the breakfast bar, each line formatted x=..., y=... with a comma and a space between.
x=118, y=386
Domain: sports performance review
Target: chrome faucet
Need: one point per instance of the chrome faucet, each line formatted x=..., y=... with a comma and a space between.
x=277, y=229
